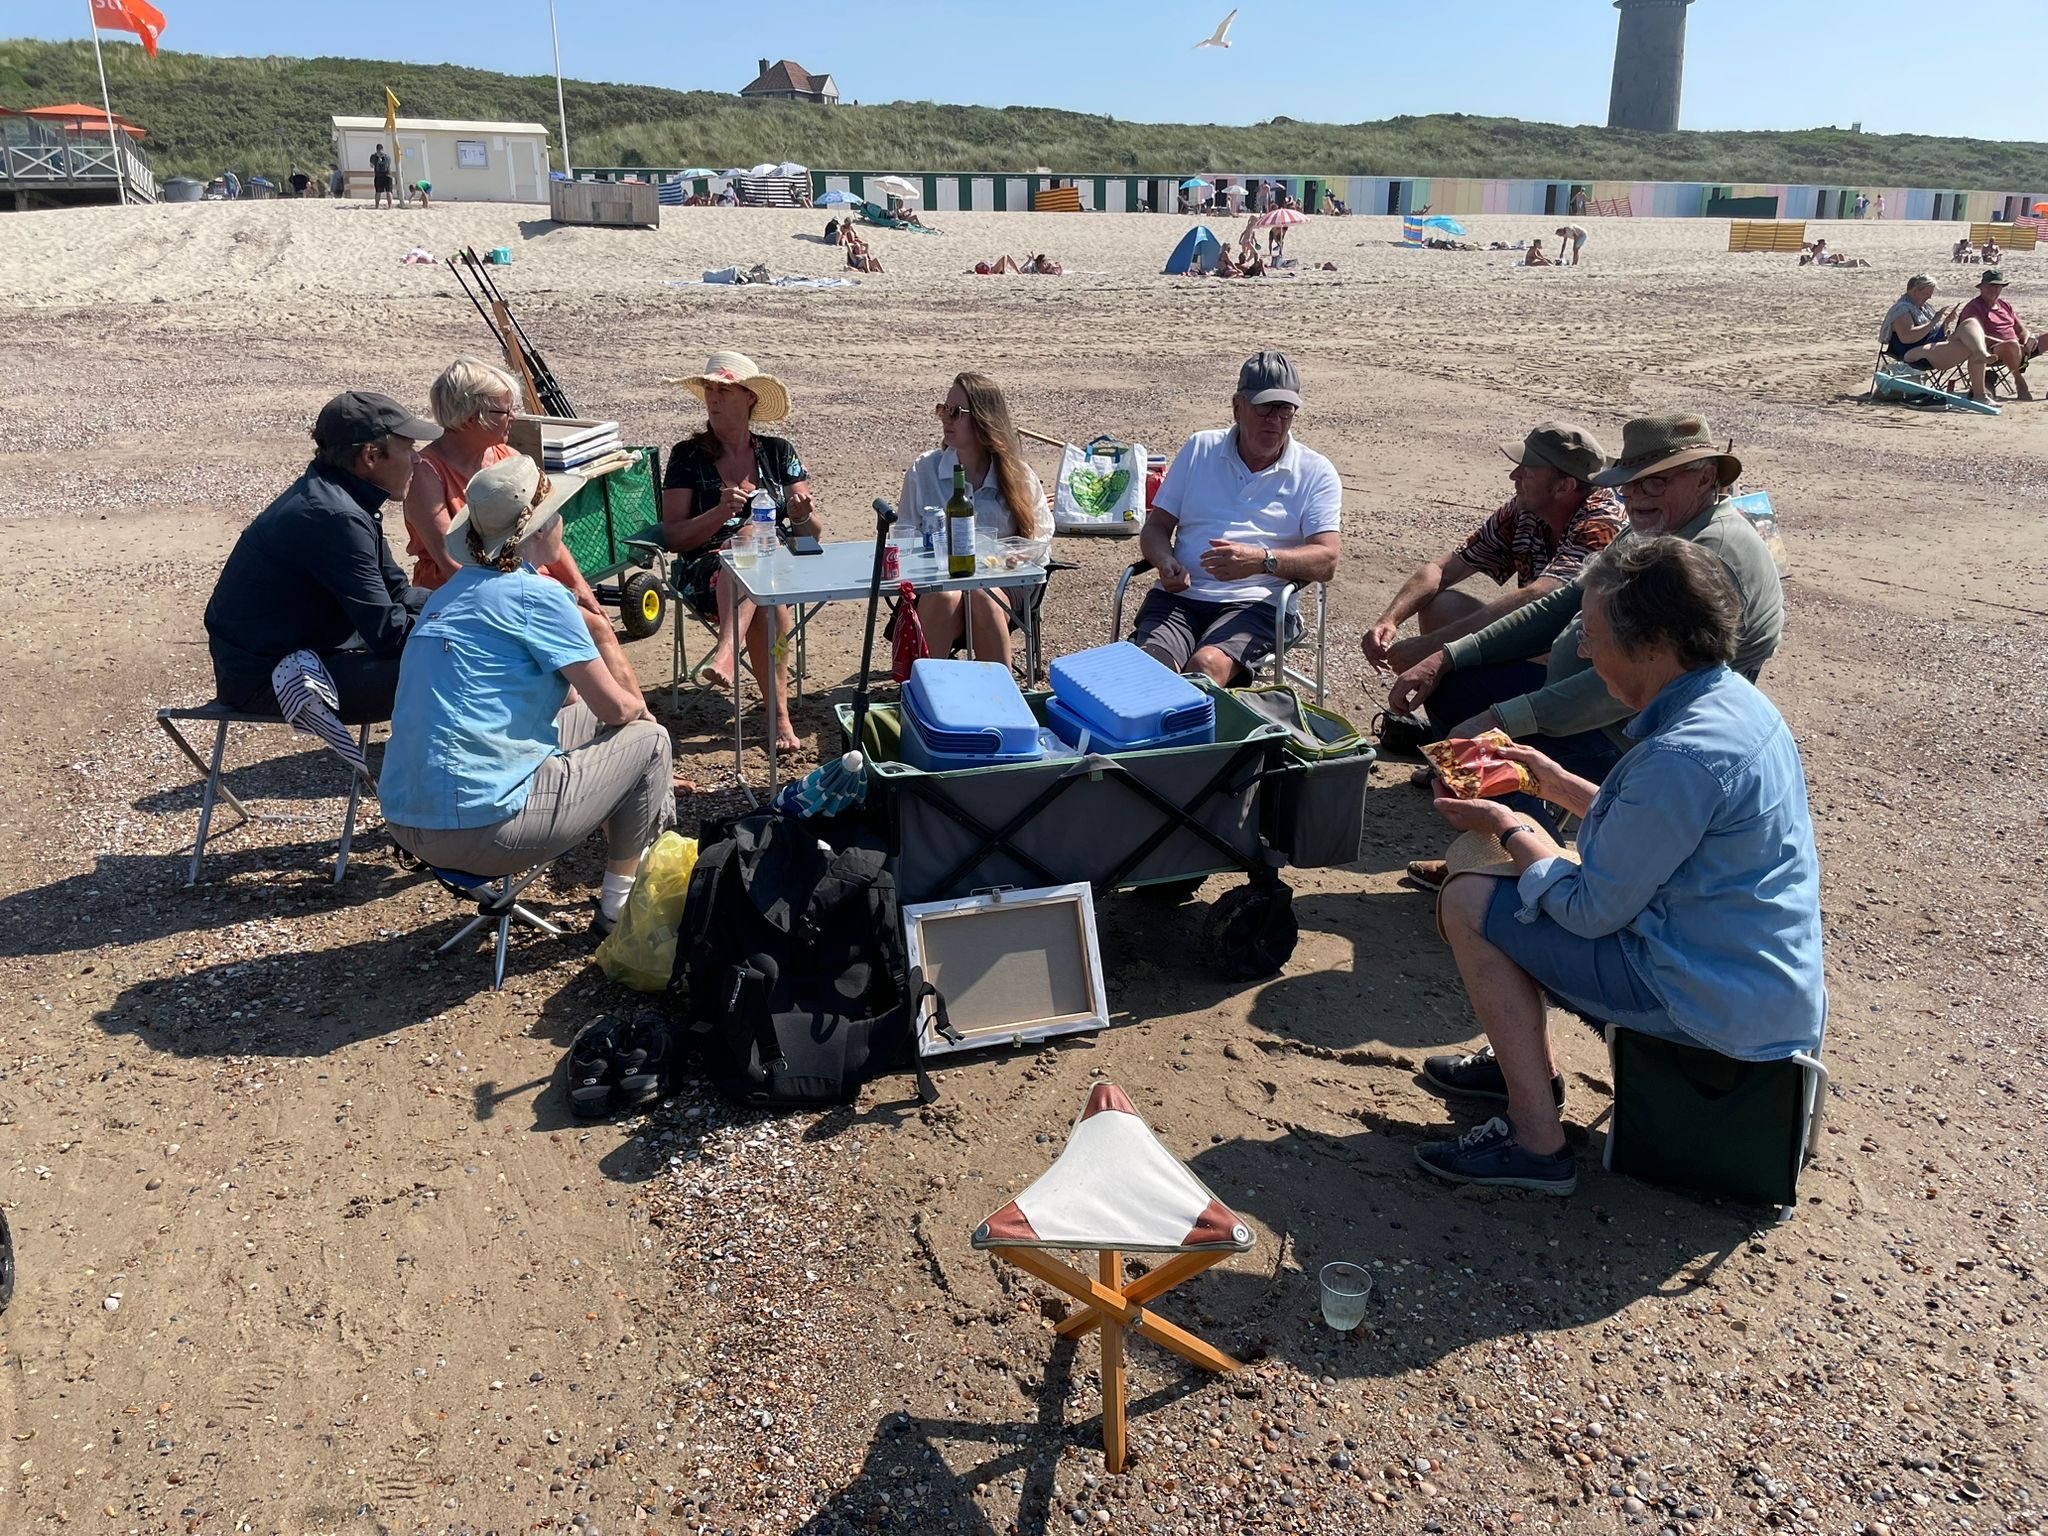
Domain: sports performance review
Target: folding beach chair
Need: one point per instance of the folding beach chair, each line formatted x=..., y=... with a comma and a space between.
x=1116, y=1190
x=1286, y=635
x=223, y=718
x=1946, y=389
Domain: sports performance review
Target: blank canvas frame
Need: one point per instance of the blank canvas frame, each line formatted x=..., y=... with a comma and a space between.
x=1013, y=966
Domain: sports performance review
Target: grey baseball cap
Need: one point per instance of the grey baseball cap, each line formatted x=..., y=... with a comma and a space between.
x=1560, y=446
x=364, y=416
x=1269, y=376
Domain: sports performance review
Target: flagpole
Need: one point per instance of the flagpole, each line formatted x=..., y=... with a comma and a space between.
x=560, y=111
x=107, y=105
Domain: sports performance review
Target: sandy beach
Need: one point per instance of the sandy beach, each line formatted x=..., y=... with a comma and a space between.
x=311, y=1243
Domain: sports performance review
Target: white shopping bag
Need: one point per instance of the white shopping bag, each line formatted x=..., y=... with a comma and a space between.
x=1101, y=489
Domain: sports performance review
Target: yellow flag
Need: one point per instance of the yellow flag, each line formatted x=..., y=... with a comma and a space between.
x=391, y=123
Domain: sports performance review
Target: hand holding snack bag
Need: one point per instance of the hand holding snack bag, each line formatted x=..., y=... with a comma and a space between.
x=1473, y=768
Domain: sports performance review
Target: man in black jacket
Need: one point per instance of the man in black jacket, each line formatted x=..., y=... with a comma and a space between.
x=312, y=571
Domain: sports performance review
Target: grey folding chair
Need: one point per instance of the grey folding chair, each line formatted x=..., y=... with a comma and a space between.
x=1286, y=637
x=223, y=718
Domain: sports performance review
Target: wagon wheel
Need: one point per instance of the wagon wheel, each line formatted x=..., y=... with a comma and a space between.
x=1170, y=893
x=643, y=603
x=1251, y=931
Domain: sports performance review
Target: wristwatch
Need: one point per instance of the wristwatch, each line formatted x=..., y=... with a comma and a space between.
x=1520, y=826
x=1271, y=564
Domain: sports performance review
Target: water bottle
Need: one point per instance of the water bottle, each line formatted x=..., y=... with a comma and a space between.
x=760, y=527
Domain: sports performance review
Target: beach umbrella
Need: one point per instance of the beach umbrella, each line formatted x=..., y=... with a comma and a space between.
x=1446, y=223
x=728, y=175
x=826, y=790
x=1194, y=184
x=791, y=168
x=694, y=172
x=2040, y=209
x=896, y=186
x=765, y=168
x=1279, y=218
x=841, y=200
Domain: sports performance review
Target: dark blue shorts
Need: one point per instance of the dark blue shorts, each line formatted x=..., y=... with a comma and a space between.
x=1590, y=977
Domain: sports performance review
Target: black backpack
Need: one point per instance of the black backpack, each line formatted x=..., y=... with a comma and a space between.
x=790, y=971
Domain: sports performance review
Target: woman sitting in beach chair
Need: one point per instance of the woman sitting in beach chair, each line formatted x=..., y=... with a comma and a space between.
x=1961, y=253
x=706, y=493
x=981, y=442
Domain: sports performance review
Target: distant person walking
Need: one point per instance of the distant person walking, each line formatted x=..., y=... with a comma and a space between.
x=380, y=172
x=1862, y=205
x=1880, y=205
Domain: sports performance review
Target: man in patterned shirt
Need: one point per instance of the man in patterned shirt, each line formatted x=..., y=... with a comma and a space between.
x=1546, y=531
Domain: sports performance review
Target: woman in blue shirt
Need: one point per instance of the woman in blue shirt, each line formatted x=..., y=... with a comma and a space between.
x=493, y=767
x=1693, y=909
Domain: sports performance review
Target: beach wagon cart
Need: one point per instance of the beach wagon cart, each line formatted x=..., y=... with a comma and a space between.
x=611, y=526
x=1152, y=817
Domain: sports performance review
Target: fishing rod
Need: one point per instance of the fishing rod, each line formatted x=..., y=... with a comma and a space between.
x=547, y=384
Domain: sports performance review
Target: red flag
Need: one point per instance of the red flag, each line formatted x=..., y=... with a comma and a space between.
x=137, y=16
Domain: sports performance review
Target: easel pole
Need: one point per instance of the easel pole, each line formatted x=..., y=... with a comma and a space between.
x=107, y=105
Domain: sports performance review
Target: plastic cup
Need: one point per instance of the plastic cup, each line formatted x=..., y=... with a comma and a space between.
x=1346, y=1290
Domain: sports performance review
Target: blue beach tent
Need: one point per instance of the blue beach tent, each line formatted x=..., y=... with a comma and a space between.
x=1198, y=248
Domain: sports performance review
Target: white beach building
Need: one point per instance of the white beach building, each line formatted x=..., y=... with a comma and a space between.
x=465, y=162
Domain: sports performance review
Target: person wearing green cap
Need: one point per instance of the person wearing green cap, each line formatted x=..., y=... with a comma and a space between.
x=2010, y=343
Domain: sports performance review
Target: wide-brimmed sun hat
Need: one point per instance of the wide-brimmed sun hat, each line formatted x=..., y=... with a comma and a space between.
x=506, y=502
x=771, y=395
x=1479, y=853
x=1650, y=445
x=1992, y=278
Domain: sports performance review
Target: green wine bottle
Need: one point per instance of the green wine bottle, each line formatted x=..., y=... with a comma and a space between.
x=959, y=528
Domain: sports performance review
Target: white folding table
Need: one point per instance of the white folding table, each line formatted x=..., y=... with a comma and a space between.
x=841, y=572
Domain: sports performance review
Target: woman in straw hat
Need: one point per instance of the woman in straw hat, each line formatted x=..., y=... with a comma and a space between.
x=980, y=440
x=493, y=767
x=705, y=499
x=474, y=402
x=1692, y=911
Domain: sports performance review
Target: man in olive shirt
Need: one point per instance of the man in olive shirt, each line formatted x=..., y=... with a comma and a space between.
x=1675, y=480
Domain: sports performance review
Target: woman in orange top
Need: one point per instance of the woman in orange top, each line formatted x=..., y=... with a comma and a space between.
x=474, y=403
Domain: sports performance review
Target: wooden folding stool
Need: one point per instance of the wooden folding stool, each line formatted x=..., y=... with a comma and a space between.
x=1116, y=1190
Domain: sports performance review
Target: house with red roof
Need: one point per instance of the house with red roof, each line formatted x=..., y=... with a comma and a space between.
x=787, y=80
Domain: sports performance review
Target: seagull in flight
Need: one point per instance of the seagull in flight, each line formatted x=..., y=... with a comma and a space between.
x=1220, y=38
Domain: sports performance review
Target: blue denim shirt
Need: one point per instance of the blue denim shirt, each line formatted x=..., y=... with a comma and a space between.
x=1698, y=852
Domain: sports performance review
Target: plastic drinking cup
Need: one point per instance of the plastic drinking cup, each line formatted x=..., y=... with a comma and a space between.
x=1346, y=1289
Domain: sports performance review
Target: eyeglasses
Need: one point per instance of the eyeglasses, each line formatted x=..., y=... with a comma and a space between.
x=1274, y=408
x=947, y=412
x=500, y=412
x=1652, y=484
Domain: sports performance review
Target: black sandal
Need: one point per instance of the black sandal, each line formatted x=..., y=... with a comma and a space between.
x=640, y=1062
x=593, y=1078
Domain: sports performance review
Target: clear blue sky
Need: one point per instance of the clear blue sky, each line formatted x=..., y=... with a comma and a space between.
x=1884, y=63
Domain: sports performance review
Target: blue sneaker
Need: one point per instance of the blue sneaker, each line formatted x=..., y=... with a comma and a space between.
x=1491, y=1155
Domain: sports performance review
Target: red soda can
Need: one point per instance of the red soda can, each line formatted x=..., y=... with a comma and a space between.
x=892, y=562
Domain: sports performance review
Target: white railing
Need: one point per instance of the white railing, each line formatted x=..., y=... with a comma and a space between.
x=32, y=155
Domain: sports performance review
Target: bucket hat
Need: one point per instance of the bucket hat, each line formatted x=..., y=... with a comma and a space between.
x=506, y=502
x=1651, y=445
x=1560, y=446
x=771, y=395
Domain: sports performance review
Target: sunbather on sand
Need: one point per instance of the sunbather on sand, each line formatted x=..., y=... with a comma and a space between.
x=1002, y=266
x=1044, y=266
x=858, y=256
x=1226, y=266
x=1536, y=258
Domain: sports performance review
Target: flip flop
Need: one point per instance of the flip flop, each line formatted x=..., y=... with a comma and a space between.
x=592, y=1078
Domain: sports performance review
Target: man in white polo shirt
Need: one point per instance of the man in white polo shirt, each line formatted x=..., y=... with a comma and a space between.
x=1240, y=514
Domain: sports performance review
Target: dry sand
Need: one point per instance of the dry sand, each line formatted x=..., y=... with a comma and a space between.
x=370, y=1275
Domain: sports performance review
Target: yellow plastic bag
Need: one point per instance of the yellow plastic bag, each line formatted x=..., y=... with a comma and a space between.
x=641, y=951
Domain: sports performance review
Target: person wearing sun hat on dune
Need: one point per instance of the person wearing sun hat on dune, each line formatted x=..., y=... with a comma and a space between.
x=711, y=479
x=493, y=766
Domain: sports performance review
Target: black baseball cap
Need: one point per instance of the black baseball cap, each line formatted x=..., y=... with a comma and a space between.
x=362, y=416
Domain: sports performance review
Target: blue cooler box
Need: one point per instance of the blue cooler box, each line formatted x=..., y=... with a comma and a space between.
x=1126, y=698
x=1070, y=728
x=966, y=714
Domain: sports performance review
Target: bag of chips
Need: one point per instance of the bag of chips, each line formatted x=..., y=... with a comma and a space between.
x=1474, y=769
